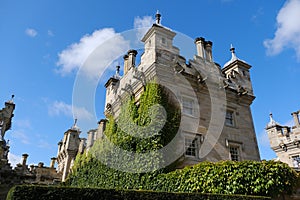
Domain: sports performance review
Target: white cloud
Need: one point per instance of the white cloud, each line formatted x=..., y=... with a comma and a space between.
x=93, y=52
x=44, y=144
x=22, y=123
x=143, y=24
x=14, y=159
x=263, y=139
x=20, y=135
x=31, y=32
x=61, y=108
x=287, y=34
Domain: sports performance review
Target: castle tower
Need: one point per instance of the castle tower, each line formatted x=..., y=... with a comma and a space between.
x=237, y=71
x=6, y=115
x=285, y=140
x=67, y=150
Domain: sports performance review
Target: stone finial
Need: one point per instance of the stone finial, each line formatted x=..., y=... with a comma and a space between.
x=12, y=99
x=75, y=127
x=157, y=16
x=272, y=122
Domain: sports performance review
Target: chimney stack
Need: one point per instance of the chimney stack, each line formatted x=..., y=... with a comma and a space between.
x=41, y=164
x=52, y=162
x=296, y=118
x=131, y=58
x=31, y=168
x=200, y=42
x=24, y=159
x=208, y=51
x=125, y=64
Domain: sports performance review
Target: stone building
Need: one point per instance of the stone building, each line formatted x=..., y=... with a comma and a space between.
x=285, y=140
x=68, y=148
x=225, y=128
x=209, y=120
x=22, y=173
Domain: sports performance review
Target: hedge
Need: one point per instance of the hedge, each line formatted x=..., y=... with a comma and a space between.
x=266, y=178
x=26, y=192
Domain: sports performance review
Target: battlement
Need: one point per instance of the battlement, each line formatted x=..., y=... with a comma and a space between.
x=285, y=140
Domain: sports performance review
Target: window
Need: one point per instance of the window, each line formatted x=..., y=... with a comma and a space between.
x=296, y=160
x=229, y=118
x=190, y=146
x=234, y=153
x=187, y=106
x=163, y=40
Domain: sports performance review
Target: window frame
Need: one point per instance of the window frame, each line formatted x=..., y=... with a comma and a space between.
x=186, y=107
x=194, y=138
x=230, y=121
x=237, y=153
x=190, y=151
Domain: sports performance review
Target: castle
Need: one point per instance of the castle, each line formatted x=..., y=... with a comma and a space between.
x=285, y=140
x=22, y=173
x=214, y=125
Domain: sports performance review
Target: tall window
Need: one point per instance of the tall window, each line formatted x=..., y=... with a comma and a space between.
x=187, y=106
x=229, y=118
x=190, y=146
x=234, y=153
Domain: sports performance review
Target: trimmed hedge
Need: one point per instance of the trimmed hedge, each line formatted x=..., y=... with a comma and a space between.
x=25, y=192
x=266, y=178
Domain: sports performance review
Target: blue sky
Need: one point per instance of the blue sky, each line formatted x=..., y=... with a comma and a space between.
x=43, y=44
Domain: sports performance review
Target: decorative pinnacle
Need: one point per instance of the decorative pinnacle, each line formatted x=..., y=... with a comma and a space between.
x=74, y=127
x=157, y=16
x=233, y=56
x=118, y=69
x=232, y=49
x=12, y=99
x=271, y=117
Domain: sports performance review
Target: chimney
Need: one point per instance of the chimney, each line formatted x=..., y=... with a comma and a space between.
x=52, y=163
x=90, y=139
x=41, y=164
x=131, y=58
x=208, y=51
x=200, y=42
x=125, y=64
x=31, y=168
x=101, y=128
x=296, y=118
x=24, y=159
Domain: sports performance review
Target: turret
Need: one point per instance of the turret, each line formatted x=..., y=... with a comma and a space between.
x=237, y=71
x=158, y=38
